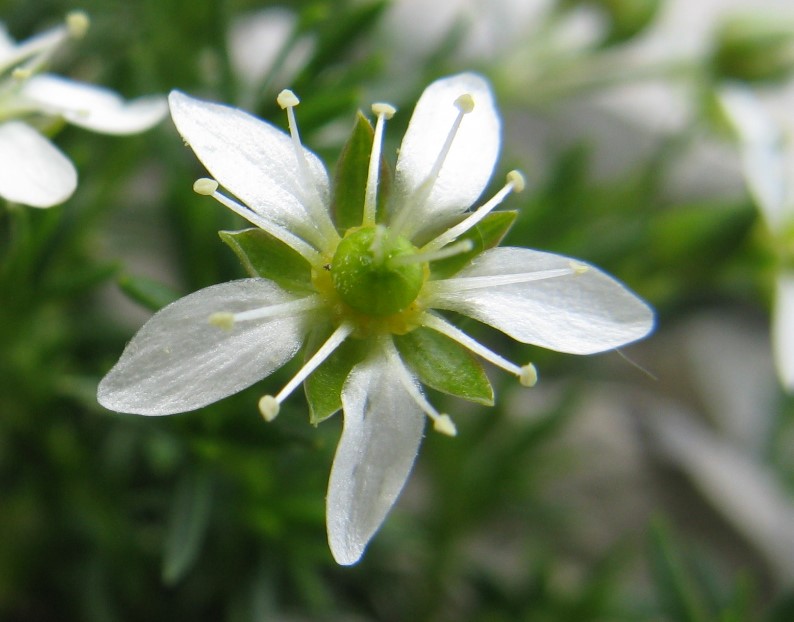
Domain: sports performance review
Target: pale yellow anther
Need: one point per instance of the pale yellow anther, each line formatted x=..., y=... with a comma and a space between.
x=516, y=179
x=21, y=73
x=445, y=425
x=578, y=268
x=529, y=375
x=269, y=407
x=465, y=103
x=222, y=319
x=287, y=99
x=387, y=110
x=77, y=24
x=205, y=186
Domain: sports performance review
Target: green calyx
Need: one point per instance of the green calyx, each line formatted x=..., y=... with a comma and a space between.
x=376, y=271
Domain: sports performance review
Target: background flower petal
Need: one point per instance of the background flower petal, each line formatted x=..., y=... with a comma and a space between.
x=252, y=159
x=32, y=170
x=470, y=161
x=766, y=161
x=93, y=107
x=582, y=312
x=382, y=431
x=179, y=361
x=783, y=329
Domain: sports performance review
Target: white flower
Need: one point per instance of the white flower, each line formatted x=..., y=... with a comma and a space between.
x=374, y=284
x=768, y=163
x=265, y=45
x=32, y=170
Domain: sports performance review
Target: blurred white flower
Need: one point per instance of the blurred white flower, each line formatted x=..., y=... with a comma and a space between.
x=32, y=170
x=374, y=285
x=264, y=46
x=767, y=157
x=723, y=453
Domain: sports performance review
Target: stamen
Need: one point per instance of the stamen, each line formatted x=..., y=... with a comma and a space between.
x=464, y=246
x=480, y=282
x=205, y=186
x=465, y=104
x=77, y=24
x=527, y=374
x=383, y=112
x=441, y=423
x=288, y=100
x=21, y=73
x=515, y=183
x=226, y=320
x=332, y=343
x=222, y=319
x=208, y=187
x=269, y=407
x=578, y=268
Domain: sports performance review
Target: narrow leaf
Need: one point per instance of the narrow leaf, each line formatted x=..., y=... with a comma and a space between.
x=445, y=365
x=485, y=234
x=152, y=294
x=190, y=515
x=263, y=255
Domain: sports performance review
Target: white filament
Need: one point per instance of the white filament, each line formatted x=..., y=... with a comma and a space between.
x=384, y=112
x=297, y=244
x=445, y=328
x=514, y=184
x=331, y=344
x=441, y=423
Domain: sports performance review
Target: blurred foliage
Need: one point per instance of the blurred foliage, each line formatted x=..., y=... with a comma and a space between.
x=214, y=515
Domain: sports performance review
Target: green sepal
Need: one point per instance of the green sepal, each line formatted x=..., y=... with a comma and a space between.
x=350, y=180
x=324, y=386
x=263, y=255
x=443, y=364
x=485, y=234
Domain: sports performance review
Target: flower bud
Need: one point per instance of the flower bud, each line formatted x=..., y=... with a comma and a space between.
x=754, y=48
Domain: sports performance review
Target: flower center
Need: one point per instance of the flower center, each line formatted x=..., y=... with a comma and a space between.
x=377, y=272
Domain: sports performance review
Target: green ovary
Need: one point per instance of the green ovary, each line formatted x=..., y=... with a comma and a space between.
x=368, y=275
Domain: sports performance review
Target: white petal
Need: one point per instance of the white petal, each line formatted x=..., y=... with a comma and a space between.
x=583, y=312
x=179, y=361
x=763, y=152
x=42, y=43
x=7, y=46
x=470, y=161
x=251, y=158
x=32, y=170
x=92, y=107
x=381, y=436
x=747, y=493
x=783, y=329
